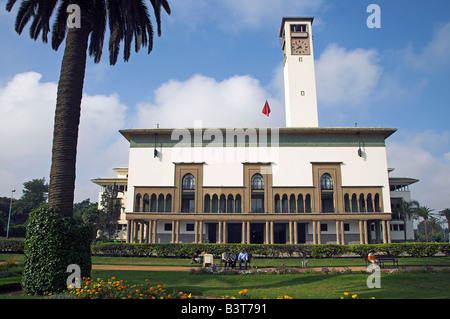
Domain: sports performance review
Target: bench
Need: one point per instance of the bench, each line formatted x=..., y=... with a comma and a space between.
x=381, y=258
x=249, y=262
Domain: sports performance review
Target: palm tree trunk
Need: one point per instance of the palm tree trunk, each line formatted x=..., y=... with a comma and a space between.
x=67, y=119
x=426, y=229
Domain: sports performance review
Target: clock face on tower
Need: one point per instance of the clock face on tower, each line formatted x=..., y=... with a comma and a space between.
x=299, y=46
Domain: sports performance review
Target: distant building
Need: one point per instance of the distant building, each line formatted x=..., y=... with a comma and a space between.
x=399, y=187
x=121, y=181
x=296, y=184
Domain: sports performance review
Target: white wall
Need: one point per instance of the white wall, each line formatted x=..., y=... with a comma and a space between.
x=291, y=166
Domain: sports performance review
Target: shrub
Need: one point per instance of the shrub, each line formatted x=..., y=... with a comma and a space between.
x=12, y=245
x=52, y=243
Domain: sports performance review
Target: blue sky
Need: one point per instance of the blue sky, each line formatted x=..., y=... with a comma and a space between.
x=218, y=61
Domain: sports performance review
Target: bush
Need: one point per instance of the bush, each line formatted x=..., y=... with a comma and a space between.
x=188, y=250
x=11, y=245
x=52, y=243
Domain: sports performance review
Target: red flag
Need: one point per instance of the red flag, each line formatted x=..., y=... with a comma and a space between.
x=266, y=109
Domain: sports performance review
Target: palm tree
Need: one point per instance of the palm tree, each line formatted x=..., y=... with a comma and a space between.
x=446, y=213
x=425, y=213
x=127, y=20
x=406, y=210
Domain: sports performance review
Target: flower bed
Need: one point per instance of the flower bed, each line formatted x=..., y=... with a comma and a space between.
x=119, y=289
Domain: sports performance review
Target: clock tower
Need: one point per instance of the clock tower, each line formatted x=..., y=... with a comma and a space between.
x=299, y=73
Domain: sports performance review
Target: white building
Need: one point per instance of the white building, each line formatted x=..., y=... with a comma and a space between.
x=296, y=184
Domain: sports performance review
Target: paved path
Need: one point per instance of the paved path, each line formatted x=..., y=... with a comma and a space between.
x=144, y=268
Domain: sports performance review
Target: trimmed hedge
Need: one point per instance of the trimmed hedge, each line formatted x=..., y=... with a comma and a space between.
x=275, y=250
x=54, y=242
x=302, y=250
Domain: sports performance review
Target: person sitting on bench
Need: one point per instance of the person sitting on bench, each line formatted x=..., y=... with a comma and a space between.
x=243, y=257
x=226, y=258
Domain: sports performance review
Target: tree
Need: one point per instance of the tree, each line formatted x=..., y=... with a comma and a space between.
x=88, y=213
x=110, y=212
x=127, y=20
x=34, y=193
x=425, y=213
x=406, y=210
x=446, y=213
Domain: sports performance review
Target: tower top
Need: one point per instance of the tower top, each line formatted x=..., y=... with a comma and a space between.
x=300, y=19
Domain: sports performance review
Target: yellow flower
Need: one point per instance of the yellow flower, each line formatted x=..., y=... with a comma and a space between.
x=355, y=296
x=346, y=293
x=245, y=291
x=241, y=292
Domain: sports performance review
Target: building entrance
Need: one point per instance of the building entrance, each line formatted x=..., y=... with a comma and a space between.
x=257, y=233
x=234, y=233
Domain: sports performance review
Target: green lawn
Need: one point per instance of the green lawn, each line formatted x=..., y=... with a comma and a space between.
x=303, y=286
x=309, y=285
x=257, y=262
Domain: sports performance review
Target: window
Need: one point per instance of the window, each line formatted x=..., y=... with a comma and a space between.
x=188, y=203
x=168, y=227
x=257, y=182
x=257, y=203
x=188, y=182
x=323, y=227
x=326, y=182
x=189, y=227
x=298, y=27
x=257, y=199
x=138, y=203
x=188, y=194
x=326, y=185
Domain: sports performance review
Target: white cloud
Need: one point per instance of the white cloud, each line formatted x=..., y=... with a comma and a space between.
x=434, y=55
x=27, y=108
x=422, y=155
x=346, y=77
x=235, y=15
x=236, y=101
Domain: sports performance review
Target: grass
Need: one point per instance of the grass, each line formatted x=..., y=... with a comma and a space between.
x=257, y=262
x=302, y=286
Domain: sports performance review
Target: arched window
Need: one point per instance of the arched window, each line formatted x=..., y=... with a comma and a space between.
x=292, y=206
x=230, y=204
x=326, y=182
x=257, y=182
x=277, y=204
x=168, y=203
x=326, y=185
x=308, y=203
x=215, y=204
x=161, y=203
x=137, y=203
x=146, y=203
x=222, y=204
x=300, y=204
x=153, y=203
x=207, y=205
x=257, y=199
x=238, y=204
x=354, y=204
x=188, y=182
x=347, y=207
x=284, y=204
